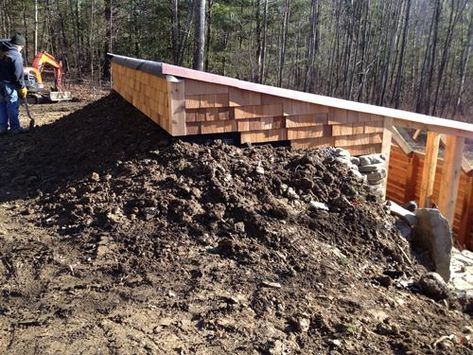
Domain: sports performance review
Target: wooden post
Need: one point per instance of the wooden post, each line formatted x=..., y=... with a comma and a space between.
x=177, y=103
x=451, y=176
x=410, y=190
x=466, y=222
x=386, y=148
x=429, y=169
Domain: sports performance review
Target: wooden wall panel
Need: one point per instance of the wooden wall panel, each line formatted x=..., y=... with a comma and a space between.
x=255, y=111
x=363, y=149
x=404, y=184
x=258, y=124
x=309, y=132
x=194, y=87
x=272, y=135
x=313, y=143
x=148, y=93
x=307, y=120
x=239, y=97
x=194, y=107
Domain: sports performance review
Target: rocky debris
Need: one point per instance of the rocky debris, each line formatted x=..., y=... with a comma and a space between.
x=432, y=285
x=370, y=168
x=461, y=279
x=432, y=233
x=374, y=168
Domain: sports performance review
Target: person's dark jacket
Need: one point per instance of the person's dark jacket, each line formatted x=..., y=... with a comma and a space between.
x=11, y=65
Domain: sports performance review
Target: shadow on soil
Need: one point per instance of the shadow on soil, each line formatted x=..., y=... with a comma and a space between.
x=89, y=140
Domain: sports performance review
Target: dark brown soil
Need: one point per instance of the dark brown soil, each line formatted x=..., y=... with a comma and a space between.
x=116, y=240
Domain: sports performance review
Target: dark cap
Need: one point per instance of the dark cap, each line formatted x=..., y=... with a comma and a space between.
x=18, y=39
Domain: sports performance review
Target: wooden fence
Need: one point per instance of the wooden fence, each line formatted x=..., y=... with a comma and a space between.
x=189, y=102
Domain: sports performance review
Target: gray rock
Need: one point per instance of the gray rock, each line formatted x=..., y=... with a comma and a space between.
x=377, y=175
x=291, y=194
x=410, y=206
x=376, y=182
x=405, y=215
x=303, y=324
x=340, y=152
x=365, y=160
x=239, y=227
x=432, y=233
x=371, y=159
x=271, y=284
x=343, y=160
x=433, y=286
x=355, y=160
x=259, y=170
x=376, y=189
x=371, y=168
x=314, y=205
x=95, y=177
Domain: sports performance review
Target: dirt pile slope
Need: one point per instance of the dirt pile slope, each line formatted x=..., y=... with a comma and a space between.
x=126, y=244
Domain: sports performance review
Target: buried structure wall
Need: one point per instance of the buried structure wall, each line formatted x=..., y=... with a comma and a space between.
x=186, y=102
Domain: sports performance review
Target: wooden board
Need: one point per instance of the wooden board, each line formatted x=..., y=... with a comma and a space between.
x=272, y=135
x=309, y=132
x=429, y=169
x=313, y=143
x=254, y=111
x=307, y=120
x=451, y=175
x=257, y=124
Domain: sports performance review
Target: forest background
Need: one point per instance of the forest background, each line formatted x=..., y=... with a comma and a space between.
x=410, y=54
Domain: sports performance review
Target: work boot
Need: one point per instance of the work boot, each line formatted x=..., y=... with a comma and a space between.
x=18, y=131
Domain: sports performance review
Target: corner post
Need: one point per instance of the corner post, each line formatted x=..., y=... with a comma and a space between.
x=451, y=176
x=429, y=169
x=386, y=148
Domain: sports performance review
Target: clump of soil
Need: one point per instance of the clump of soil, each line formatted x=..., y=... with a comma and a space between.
x=125, y=243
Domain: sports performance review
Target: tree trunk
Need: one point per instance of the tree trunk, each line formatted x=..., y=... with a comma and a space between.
x=199, y=34
x=283, y=42
x=311, y=46
x=398, y=81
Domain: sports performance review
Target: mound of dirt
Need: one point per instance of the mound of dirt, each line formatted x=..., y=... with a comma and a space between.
x=124, y=243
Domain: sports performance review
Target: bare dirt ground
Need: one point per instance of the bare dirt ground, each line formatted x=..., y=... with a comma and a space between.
x=116, y=240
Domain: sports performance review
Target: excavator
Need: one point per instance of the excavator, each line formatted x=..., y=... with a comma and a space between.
x=34, y=80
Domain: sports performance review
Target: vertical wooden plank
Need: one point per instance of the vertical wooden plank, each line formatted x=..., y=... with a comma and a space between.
x=177, y=106
x=410, y=190
x=451, y=176
x=467, y=212
x=429, y=169
x=386, y=148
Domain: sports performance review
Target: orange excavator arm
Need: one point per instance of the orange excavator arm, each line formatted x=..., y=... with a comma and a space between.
x=44, y=58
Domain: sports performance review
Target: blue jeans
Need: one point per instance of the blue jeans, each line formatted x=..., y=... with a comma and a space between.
x=9, y=107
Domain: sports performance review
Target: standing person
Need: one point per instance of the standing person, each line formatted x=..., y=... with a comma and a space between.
x=12, y=84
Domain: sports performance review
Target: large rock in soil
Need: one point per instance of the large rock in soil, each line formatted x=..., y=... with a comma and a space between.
x=432, y=233
x=433, y=286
